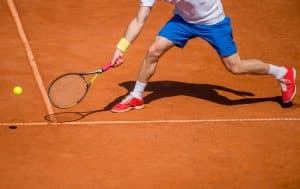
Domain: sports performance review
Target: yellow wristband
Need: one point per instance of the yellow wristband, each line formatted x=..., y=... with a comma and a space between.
x=123, y=44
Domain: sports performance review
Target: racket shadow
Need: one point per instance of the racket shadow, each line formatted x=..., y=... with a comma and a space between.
x=209, y=92
x=63, y=117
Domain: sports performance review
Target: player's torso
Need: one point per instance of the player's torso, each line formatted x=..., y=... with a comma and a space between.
x=199, y=11
x=192, y=2
x=204, y=4
x=195, y=11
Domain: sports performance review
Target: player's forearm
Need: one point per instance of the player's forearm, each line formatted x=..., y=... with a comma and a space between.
x=131, y=33
x=136, y=24
x=133, y=30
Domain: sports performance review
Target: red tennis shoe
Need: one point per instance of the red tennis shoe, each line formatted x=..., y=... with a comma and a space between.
x=128, y=103
x=288, y=86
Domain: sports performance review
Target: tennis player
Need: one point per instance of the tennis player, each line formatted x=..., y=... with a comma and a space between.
x=193, y=18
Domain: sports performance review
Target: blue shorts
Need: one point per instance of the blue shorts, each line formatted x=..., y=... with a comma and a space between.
x=219, y=35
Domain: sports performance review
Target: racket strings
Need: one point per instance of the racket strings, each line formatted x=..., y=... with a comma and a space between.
x=68, y=90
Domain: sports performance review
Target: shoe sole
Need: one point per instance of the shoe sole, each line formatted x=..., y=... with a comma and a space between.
x=291, y=99
x=128, y=109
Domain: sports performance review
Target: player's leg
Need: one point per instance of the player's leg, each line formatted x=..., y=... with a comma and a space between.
x=135, y=99
x=149, y=63
x=251, y=66
x=156, y=50
x=285, y=75
x=221, y=38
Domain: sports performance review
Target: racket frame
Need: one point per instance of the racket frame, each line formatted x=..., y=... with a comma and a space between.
x=88, y=84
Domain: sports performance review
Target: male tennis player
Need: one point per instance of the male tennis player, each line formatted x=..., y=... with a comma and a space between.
x=194, y=18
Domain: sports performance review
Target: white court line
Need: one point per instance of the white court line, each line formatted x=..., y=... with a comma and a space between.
x=132, y=122
x=30, y=56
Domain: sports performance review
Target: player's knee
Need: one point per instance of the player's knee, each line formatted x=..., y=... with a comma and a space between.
x=154, y=52
x=234, y=67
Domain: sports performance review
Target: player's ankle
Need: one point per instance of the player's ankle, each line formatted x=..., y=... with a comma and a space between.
x=136, y=95
x=277, y=71
x=138, y=90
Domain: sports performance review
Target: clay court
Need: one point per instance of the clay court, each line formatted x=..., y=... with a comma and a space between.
x=202, y=127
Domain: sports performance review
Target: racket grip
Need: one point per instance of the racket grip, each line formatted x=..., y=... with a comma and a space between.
x=109, y=65
x=106, y=67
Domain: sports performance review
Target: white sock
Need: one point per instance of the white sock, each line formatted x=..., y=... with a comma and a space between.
x=277, y=71
x=138, y=89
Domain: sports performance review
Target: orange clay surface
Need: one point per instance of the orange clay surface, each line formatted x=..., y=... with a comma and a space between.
x=190, y=84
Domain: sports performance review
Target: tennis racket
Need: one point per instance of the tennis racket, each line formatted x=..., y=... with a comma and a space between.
x=70, y=89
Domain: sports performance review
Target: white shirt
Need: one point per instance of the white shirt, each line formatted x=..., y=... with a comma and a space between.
x=195, y=11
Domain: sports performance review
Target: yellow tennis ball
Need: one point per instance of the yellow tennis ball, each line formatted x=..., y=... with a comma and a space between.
x=17, y=90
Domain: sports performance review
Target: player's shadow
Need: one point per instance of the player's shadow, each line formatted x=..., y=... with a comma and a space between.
x=163, y=89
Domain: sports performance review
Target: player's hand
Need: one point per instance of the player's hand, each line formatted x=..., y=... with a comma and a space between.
x=117, y=58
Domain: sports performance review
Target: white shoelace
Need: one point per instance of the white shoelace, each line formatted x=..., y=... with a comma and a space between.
x=126, y=99
x=283, y=84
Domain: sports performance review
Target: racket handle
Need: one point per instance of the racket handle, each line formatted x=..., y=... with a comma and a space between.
x=106, y=67
x=109, y=65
